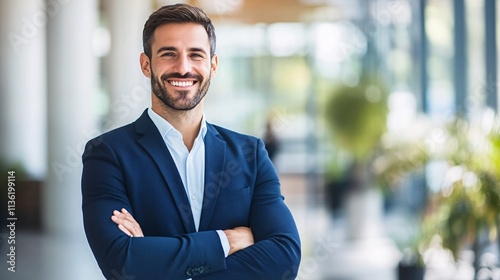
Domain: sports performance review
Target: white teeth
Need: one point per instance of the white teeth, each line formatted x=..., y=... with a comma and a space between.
x=181, y=84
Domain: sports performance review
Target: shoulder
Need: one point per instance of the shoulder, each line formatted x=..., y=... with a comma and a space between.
x=124, y=134
x=228, y=134
x=232, y=137
x=121, y=138
x=110, y=140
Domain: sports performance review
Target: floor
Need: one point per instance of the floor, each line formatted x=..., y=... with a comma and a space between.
x=47, y=257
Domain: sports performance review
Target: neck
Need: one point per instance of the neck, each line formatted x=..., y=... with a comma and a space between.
x=188, y=122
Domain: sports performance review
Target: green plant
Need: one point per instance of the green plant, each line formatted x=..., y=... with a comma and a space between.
x=357, y=116
x=468, y=203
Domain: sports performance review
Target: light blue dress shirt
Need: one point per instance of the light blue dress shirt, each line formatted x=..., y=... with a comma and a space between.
x=190, y=165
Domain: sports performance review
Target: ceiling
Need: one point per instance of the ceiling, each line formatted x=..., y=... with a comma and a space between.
x=267, y=11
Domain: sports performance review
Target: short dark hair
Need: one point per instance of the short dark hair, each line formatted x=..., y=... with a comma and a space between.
x=178, y=13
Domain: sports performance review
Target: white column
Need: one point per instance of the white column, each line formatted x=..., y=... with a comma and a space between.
x=129, y=90
x=72, y=85
x=23, y=85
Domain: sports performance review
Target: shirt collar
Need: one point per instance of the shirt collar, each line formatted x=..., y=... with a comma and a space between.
x=165, y=128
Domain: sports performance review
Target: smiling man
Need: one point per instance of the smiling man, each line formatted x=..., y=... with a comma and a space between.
x=172, y=196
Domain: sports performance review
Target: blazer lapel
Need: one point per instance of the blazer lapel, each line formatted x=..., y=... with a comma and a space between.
x=151, y=140
x=215, y=158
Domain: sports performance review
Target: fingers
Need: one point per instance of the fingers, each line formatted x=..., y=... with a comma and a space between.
x=126, y=223
x=122, y=228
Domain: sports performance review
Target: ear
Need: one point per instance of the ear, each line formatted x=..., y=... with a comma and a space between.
x=145, y=65
x=214, y=64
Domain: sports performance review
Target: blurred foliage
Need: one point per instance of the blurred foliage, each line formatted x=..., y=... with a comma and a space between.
x=357, y=116
x=394, y=163
x=469, y=201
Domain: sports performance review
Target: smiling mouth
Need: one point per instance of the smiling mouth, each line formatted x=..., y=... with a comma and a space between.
x=177, y=83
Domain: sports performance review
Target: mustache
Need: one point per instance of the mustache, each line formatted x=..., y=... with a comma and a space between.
x=188, y=75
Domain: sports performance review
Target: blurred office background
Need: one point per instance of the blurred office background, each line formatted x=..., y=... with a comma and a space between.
x=384, y=112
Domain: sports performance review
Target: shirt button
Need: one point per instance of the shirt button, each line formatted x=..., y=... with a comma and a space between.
x=193, y=197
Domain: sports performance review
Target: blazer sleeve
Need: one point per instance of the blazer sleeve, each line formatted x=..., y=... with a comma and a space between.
x=118, y=255
x=276, y=253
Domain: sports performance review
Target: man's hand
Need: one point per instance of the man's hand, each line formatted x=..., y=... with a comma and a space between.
x=127, y=223
x=239, y=238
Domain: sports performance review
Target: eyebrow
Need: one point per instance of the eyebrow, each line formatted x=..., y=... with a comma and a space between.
x=168, y=48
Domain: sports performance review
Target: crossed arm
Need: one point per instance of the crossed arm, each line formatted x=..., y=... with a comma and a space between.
x=274, y=255
x=239, y=238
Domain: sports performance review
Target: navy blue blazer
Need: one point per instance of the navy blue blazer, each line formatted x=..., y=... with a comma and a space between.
x=131, y=167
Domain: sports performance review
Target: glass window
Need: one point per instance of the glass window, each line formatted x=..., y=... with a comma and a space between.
x=439, y=30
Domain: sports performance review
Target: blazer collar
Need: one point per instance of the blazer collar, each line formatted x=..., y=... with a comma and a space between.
x=151, y=140
x=215, y=158
x=215, y=161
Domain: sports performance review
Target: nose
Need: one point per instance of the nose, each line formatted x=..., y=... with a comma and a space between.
x=183, y=65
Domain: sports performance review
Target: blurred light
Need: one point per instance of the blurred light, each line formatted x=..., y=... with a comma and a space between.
x=220, y=7
x=101, y=42
x=335, y=46
x=234, y=40
x=434, y=175
x=336, y=42
x=401, y=11
x=488, y=259
x=441, y=106
x=170, y=2
x=452, y=175
x=469, y=179
x=437, y=27
x=350, y=78
x=286, y=39
x=488, y=120
x=385, y=13
x=373, y=94
x=402, y=110
x=400, y=61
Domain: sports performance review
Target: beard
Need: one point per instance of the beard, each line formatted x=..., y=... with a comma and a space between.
x=179, y=99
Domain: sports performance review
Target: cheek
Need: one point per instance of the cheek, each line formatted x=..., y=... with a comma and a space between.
x=161, y=67
x=205, y=71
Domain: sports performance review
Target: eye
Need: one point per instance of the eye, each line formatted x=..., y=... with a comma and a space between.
x=197, y=56
x=167, y=54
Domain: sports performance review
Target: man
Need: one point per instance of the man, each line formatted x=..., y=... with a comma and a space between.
x=171, y=196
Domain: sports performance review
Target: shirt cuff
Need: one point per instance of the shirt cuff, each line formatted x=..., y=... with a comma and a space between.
x=224, y=242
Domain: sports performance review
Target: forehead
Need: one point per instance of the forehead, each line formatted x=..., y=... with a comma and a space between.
x=180, y=35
